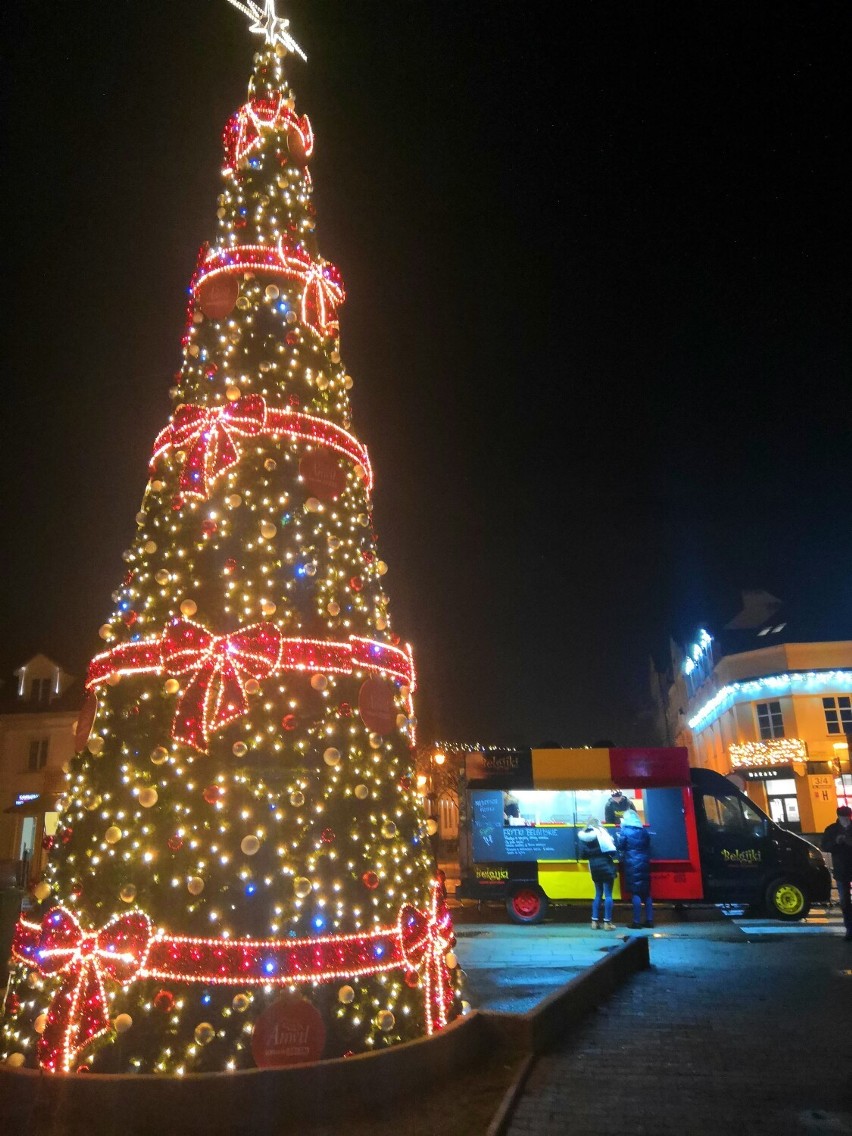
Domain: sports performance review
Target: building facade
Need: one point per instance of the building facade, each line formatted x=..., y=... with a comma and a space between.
x=38, y=710
x=765, y=704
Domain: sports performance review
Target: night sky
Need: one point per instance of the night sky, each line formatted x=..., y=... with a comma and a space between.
x=598, y=275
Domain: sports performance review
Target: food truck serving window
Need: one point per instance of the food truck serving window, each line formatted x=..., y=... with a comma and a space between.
x=542, y=824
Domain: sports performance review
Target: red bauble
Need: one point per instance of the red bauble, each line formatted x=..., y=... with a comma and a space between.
x=128, y=576
x=175, y=843
x=394, y=639
x=370, y=880
x=217, y=295
x=76, y=891
x=411, y=978
x=405, y=782
x=291, y=338
x=327, y=835
x=130, y=618
x=296, y=150
x=367, y=555
x=230, y=566
x=208, y=527
x=344, y=710
x=212, y=794
x=47, y=842
x=356, y=583
x=164, y=1000
x=210, y=371
x=288, y=722
x=83, y=1069
x=177, y=503
x=294, y=400
x=66, y=836
x=13, y=1004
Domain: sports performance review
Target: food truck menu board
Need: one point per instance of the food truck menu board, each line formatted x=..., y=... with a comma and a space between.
x=540, y=824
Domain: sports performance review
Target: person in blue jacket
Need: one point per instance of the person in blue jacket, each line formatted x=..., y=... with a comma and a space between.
x=634, y=850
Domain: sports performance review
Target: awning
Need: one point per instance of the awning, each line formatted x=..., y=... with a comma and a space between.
x=34, y=804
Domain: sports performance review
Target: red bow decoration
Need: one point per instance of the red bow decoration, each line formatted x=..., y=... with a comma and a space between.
x=322, y=287
x=78, y=1012
x=218, y=664
x=426, y=937
x=245, y=128
x=209, y=434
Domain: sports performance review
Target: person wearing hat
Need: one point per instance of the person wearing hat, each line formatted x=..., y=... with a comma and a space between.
x=837, y=841
x=616, y=807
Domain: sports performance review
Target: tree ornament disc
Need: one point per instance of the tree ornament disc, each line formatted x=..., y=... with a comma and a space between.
x=376, y=706
x=289, y=1032
x=322, y=474
x=217, y=295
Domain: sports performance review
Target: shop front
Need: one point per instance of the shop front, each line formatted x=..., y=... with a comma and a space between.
x=36, y=817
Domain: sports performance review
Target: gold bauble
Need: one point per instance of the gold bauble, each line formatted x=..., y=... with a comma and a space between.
x=233, y=500
x=232, y=393
x=162, y=576
x=249, y=845
x=41, y=891
x=332, y=756
x=333, y=608
x=195, y=885
x=147, y=797
x=239, y=749
x=112, y=834
x=272, y=292
x=171, y=686
x=313, y=505
x=127, y=893
x=40, y=1024
x=431, y=826
x=123, y=1023
x=385, y=1021
x=270, y=464
x=252, y=686
x=319, y=681
x=267, y=530
x=204, y=1033
x=188, y=608
x=381, y=567
x=302, y=886
x=388, y=830
x=362, y=792
x=15, y=1060
x=95, y=744
x=241, y=1003
x=105, y=631
x=297, y=799
x=159, y=754
x=346, y=995
x=149, y=546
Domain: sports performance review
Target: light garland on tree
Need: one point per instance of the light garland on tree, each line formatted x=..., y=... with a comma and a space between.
x=210, y=434
x=322, y=287
x=128, y=948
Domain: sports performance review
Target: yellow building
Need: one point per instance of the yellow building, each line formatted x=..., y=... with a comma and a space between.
x=37, y=714
x=772, y=712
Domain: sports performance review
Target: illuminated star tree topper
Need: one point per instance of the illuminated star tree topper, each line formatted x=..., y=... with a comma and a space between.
x=266, y=23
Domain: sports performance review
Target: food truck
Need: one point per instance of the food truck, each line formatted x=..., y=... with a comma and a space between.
x=520, y=811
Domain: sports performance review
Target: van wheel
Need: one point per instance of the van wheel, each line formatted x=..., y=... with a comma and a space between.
x=788, y=900
x=527, y=904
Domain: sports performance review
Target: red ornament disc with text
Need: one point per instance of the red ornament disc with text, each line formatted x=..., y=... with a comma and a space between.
x=217, y=295
x=323, y=474
x=289, y=1032
x=376, y=706
x=85, y=721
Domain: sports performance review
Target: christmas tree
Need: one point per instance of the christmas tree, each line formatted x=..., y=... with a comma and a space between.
x=241, y=873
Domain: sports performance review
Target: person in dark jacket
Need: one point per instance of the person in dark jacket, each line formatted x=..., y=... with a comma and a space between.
x=597, y=846
x=837, y=841
x=633, y=844
x=616, y=806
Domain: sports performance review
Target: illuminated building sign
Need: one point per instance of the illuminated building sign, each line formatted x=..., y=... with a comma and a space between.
x=697, y=652
x=794, y=682
x=24, y=798
x=762, y=755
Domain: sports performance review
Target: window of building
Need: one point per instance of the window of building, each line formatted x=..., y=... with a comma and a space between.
x=38, y=754
x=770, y=720
x=838, y=714
x=40, y=690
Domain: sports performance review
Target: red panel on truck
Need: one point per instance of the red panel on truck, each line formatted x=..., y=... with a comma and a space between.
x=649, y=768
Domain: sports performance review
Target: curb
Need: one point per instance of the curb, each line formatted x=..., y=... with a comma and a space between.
x=535, y=1031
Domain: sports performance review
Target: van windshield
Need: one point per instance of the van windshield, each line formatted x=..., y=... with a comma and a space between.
x=732, y=813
